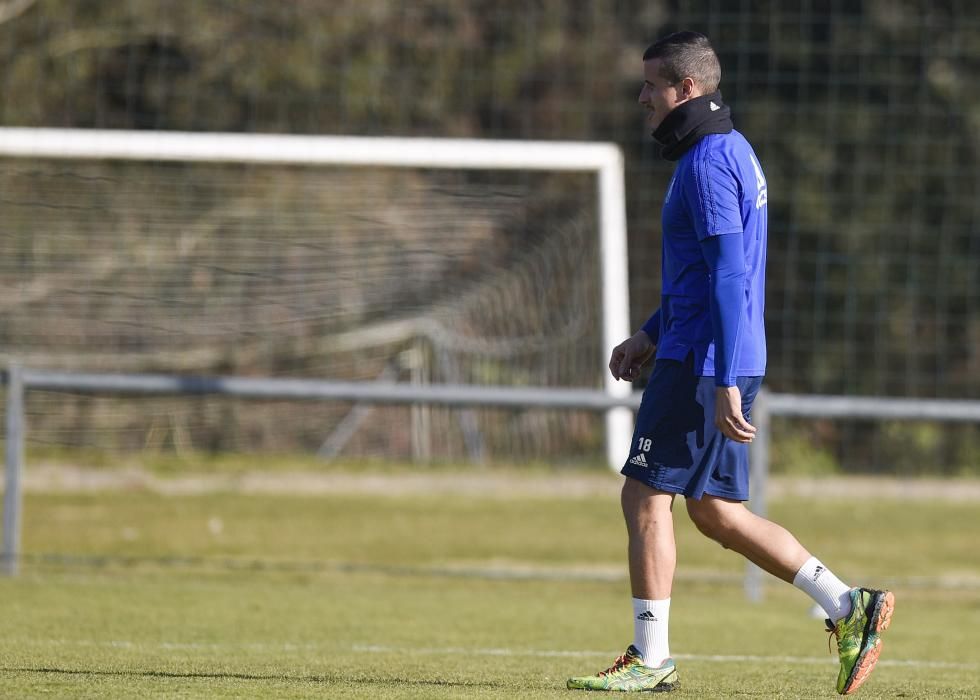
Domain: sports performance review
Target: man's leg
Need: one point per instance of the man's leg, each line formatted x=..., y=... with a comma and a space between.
x=857, y=615
x=767, y=545
x=652, y=552
x=652, y=560
x=652, y=557
x=770, y=547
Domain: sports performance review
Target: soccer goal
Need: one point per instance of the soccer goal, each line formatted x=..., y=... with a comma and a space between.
x=433, y=261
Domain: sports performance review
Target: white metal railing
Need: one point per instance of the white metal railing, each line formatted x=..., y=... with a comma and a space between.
x=20, y=380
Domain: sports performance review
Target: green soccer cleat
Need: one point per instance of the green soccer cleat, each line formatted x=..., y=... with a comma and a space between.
x=628, y=674
x=858, y=640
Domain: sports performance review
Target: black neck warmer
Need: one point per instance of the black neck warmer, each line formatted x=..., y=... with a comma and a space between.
x=688, y=122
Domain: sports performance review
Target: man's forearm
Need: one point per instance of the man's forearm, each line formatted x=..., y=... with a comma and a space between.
x=726, y=260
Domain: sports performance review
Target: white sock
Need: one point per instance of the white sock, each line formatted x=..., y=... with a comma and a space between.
x=829, y=592
x=650, y=618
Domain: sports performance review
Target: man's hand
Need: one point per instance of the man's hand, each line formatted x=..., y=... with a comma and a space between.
x=728, y=414
x=629, y=356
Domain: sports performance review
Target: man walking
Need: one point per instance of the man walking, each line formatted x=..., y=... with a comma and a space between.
x=692, y=429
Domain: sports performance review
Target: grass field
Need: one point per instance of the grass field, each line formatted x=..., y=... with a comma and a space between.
x=406, y=595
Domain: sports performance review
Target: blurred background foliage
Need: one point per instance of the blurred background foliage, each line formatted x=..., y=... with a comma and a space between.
x=864, y=113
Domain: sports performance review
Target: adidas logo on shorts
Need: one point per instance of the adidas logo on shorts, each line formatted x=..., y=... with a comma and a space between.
x=640, y=460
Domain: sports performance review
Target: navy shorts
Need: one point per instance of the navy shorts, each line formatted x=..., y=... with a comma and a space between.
x=676, y=446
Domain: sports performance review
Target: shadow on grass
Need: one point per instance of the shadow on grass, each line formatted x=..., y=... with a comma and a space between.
x=391, y=680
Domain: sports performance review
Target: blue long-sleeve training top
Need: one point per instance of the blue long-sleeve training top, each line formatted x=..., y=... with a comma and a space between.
x=714, y=258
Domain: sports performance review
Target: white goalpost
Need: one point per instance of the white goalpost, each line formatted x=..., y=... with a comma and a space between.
x=603, y=160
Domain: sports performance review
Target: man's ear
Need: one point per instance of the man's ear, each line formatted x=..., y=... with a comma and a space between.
x=688, y=89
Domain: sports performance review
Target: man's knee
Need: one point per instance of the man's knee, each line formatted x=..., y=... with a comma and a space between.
x=643, y=506
x=714, y=518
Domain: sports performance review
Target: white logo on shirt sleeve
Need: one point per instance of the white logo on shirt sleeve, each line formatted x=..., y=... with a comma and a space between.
x=760, y=181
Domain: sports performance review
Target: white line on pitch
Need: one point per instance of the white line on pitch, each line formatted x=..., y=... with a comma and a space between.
x=795, y=660
x=478, y=651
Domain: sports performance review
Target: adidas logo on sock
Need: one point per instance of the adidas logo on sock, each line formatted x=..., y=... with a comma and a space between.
x=647, y=616
x=640, y=460
x=816, y=574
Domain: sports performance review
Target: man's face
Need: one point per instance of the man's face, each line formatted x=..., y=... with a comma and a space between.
x=659, y=96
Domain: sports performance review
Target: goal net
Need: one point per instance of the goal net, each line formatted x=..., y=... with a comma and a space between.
x=234, y=260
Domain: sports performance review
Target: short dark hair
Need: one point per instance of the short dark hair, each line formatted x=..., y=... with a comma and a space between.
x=687, y=55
